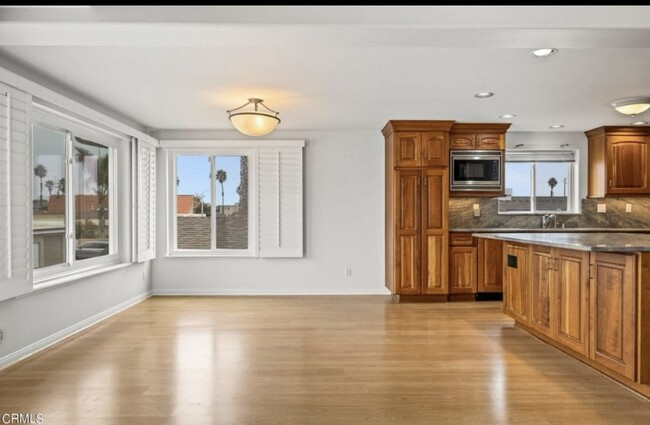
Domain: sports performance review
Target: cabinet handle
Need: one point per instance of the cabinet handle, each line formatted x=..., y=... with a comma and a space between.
x=424, y=155
x=610, y=182
x=418, y=181
x=419, y=154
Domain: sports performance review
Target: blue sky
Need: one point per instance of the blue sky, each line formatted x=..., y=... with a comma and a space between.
x=194, y=175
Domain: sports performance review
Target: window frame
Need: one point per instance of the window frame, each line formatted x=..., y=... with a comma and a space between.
x=172, y=225
x=573, y=200
x=71, y=127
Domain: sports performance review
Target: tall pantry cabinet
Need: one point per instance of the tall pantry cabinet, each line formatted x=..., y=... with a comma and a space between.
x=417, y=202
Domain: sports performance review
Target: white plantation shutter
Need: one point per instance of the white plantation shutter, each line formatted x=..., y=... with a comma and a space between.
x=15, y=194
x=280, y=202
x=146, y=201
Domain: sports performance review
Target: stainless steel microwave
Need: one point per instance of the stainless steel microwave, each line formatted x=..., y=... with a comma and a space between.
x=477, y=170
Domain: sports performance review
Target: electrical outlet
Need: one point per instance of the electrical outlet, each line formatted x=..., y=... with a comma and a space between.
x=144, y=277
x=602, y=208
x=628, y=208
x=477, y=210
x=348, y=272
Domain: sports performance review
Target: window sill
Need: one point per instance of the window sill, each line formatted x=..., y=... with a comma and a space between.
x=53, y=281
x=211, y=254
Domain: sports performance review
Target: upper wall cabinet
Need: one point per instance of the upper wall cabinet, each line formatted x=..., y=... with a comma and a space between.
x=619, y=161
x=478, y=136
x=418, y=143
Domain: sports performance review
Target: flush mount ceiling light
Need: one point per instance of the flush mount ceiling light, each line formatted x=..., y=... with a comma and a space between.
x=506, y=116
x=484, y=94
x=556, y=126
x=632, y=106
x=543, y=53
x=253, y=121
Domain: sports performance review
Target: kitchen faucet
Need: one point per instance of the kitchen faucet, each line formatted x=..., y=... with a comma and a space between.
x=546, y=218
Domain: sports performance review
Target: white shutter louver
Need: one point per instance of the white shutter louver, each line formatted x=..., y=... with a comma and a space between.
x=16, y=275
x=146, y=201
x=280, y=202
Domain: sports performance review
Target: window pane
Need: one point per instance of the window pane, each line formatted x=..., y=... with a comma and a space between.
x=48, y=196
x=552, y=186
x=232, y=201
x=91, y=204
x=517, y=177
x=193, y=196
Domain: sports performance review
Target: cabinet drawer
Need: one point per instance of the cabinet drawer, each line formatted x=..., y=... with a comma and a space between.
x=461, y=239
x=462, y=141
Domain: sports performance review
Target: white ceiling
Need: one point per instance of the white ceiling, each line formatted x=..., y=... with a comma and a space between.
x=347, y=68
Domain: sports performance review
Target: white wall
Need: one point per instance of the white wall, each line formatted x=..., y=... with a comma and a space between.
x=344, y=215
x=33, y=318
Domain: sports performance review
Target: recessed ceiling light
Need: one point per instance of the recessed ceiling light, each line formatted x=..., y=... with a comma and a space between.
x=484, y=94
x=639, y=123
x=543, y=53
x=506, y=116
x=556, y=126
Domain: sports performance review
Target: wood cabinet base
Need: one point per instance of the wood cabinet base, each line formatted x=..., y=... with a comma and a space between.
x=643, y=390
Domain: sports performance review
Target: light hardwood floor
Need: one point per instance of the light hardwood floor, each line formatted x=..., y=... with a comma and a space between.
x=312, y=360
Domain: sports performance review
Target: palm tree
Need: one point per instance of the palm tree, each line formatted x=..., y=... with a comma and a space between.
x=40, y=171
x=50, y=186
x=60, y=186
x=221, y=177
x=102, y=193
x=80, y=156
x=552, y=182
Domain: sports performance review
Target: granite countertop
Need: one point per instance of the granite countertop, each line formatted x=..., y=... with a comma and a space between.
x=551, y=230
x=597, y=242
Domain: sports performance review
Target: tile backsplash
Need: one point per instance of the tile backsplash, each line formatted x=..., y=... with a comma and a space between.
x=461, y=214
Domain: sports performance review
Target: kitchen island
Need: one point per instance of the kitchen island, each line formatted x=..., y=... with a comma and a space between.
x=587, y=294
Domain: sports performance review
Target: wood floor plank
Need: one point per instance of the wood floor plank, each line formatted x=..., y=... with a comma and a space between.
x=311, y=360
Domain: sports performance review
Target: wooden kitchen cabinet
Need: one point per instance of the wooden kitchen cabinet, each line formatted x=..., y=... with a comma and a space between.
x=422, y=149
x=421, y=232
x=618, y=161
x=516, y=282
x=571, y=315
x=613, y=312
x=417, y=201
x=463, y=263
x=480, y=136
x=490, y=266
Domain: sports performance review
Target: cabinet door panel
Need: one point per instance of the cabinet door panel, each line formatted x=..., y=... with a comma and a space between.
x=516, y=283
x=408, y=149
x=541, y=312
x=435, y=149
x=613, y=312
x=490, y=141
x=408, y=255
x=462, y=141
x=627, y=165
x=463, y=274
x=490, y=267
x=436, y=269
x=572, y=307
x=434, y=216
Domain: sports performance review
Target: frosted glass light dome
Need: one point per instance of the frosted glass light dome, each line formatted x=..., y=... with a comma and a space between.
x=254, y=122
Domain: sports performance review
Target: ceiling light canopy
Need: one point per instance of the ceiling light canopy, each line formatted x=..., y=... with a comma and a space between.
x=484, y=94
x=253, y=121
x=632, y=106
x=544, y=52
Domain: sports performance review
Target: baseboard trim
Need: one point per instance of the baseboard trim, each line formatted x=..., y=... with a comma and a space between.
x=216, y=292
x=59, y=336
